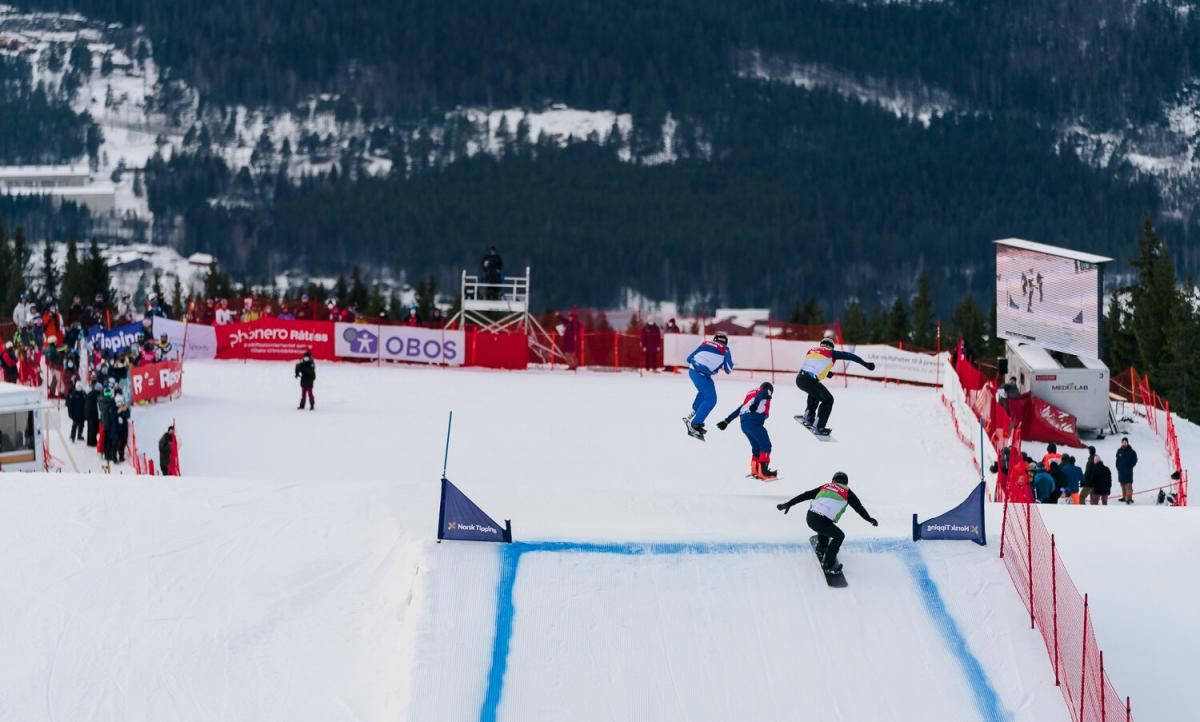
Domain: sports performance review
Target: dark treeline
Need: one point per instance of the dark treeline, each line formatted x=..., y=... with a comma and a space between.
x=1106, y=59
x=814, y=196
x=36, y=127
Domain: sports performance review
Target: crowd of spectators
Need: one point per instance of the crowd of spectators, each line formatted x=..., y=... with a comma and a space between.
x=1057, y=478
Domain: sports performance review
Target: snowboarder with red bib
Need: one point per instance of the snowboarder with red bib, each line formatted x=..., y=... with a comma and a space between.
x=829, y=501
x=818, y=363
x=753, y=413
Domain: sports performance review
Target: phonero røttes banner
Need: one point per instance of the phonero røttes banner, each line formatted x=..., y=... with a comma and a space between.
x=272, y=339
x=964, y=521
x=399, y=343
x=459, y=518
x=117, y=340
x=156, y=381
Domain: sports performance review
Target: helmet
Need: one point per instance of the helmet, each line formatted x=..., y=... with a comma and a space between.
x=720, y=338
x=839, y=477
x=108, y=393
x=827, y=342
x=768, y=387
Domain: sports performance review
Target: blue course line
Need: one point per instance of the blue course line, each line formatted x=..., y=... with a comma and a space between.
x=986, y=699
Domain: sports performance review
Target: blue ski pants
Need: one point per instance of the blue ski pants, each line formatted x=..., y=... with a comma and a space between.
x=754, y=429
x=706, y=396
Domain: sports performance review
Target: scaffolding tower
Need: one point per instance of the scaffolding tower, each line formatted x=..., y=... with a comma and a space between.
x=503, y=307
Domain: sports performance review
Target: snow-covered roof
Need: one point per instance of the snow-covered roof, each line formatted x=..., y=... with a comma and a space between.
x=1052, y=250
x=15, y=395
x=8, y=172
x=201, y=259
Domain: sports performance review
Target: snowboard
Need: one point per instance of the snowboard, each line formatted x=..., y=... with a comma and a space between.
x=833, y=579
x=752, y=476
x=818, y=437
x=687, y=424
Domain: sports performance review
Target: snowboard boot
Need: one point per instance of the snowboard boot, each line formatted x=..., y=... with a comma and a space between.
x=822, y=430
x=765, y=472
x=830, y=563
x=699, y=429
x=822, y=545
x=807, y=420
x=754, y=466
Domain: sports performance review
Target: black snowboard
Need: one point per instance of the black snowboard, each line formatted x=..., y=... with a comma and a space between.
x=833, y=579
x=819, y=437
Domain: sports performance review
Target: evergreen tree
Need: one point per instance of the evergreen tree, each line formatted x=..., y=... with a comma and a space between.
x=340, y=294
x=855, y=327
x=376, y=303
x=968, y=324
x=74, y=283
x=1155, y=300
x=98, y=281
x=216, y=284
x=877, y=322
x=814, y=315
x=5, y=262
x=177, y=309
x=50, y=274
x=16, y=276
x=426, y=293
x=897, y=324
x=156, y=287
x=923, y=322
x=1179, y=376
x=393, y=306
x=358, y=290
x=1120, y=346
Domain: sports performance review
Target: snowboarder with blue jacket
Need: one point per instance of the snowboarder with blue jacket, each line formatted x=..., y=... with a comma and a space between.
x=753, y=413
x=818, y=363
x=709, y=358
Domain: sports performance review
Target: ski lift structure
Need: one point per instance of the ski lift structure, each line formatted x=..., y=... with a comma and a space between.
x=503, y=307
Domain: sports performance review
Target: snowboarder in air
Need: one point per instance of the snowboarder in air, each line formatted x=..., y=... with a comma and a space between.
x=306, y=371
x=753, y=413
x=828, y=503
x=818, y=363
x=708, y=358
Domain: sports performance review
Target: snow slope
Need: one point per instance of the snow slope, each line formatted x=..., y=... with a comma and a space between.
x=292, y=574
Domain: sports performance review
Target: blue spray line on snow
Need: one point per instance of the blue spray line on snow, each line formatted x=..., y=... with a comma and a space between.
x=986, y=700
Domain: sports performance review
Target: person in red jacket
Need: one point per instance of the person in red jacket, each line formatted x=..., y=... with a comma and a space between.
x=651, y=338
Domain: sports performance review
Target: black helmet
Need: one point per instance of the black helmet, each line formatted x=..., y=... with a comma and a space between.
x=720, y=337
x=839, y=477
x=768, y=387
x=827, y=342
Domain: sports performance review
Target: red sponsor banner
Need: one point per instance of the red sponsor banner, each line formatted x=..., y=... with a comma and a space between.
x=273, y=339
x=156, y=381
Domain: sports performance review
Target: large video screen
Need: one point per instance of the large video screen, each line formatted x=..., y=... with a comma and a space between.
x=1049, y=300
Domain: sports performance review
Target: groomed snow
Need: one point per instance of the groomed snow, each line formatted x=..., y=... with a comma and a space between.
x=292, y=573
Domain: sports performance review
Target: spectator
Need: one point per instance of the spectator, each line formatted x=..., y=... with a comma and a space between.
x=8, y=360
x=493, y=266
x=122, y=426
x=91, y=414
x=1052, y=456
x=672, y=327
x=1074, y=478
x=224, y=315
x=1101, y=482
x=350, y=313
x=1060, y=482
x=572, y=337
x=1042, y=484
x=125, y=309
x=75, y=409
x=438, y=319
x=52, y=322
x=306, y=371
x=163, y=350
x=119, y=370
x=76, y=313
x=1126, y=460
x=304, y=308
x=249, y=311
x=100, y=311
x=411, y=319
x=148, y=354
x=54, y=368
x=107, y=408
x=166, y=452
x=22, y=314
x=651, y=345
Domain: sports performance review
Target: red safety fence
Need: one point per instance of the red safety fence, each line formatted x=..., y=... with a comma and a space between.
x=1150, y=404
x=1060, y=613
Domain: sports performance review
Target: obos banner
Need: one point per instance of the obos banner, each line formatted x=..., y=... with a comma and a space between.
x=116, y=340
x=272, y=339
x=201, y=339
x=399, y=343
x=156, y=381
x=964, y=521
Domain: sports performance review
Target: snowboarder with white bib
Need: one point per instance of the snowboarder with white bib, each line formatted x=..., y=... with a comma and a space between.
x=708, y=359
x=829, y=501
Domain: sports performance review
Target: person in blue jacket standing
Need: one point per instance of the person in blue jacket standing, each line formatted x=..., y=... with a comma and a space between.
x=708, y=358
x=753, y=413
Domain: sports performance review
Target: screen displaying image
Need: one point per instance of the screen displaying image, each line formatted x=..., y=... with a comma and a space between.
x=1049, y=300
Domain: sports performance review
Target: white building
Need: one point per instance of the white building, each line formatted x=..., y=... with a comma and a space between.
x=20, y=428
x=60, y=183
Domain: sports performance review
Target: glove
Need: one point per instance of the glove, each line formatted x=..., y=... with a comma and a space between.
x=782, y=507
x=721, y=425
x=870, y=365
x=873, y=522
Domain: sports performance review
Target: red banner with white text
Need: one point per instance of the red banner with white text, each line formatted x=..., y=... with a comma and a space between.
x=273, y=339
x=156, y=381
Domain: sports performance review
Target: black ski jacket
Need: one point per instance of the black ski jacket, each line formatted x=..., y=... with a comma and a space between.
x=306, y=371
x=852, y=500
